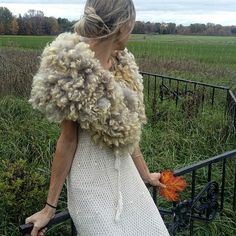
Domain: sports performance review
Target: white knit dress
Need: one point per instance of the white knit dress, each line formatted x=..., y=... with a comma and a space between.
x=106, y=195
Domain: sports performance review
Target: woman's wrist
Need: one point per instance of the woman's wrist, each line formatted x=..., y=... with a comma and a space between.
x=152, y=178
x=52, y=206
x=49, y=211
x=147, y=178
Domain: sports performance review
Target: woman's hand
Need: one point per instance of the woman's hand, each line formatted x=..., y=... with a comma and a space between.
x=39, y=220
x=154, y=180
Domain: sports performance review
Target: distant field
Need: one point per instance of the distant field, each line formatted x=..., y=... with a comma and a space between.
x=203, y=58
x=207, y=49
x=31, y=42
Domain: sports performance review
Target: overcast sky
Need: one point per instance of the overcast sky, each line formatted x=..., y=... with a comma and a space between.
x=178, y=11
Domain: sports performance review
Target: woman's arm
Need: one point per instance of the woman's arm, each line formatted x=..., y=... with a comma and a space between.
x=151, y=178
x=65, y=150
x=141, y=164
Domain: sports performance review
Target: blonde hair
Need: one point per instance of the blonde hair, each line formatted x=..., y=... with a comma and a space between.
x=103, y=18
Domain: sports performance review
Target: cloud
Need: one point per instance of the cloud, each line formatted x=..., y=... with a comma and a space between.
x=189, y=6
x=156, y=5
x=45, y=1
x=187, y=19
x=180, y=12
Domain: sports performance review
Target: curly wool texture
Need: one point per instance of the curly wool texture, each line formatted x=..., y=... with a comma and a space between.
x=71, y=84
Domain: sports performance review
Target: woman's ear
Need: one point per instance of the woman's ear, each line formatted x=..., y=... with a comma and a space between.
x=123, y=29
x=119, y=32
x=117, y=35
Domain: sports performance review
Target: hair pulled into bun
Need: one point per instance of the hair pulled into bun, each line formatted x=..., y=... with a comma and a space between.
x=103, y=18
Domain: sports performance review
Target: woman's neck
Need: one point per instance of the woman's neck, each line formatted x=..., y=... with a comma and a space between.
x=103, y=50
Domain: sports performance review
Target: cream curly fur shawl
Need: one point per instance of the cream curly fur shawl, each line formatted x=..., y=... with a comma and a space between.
x=71, y=84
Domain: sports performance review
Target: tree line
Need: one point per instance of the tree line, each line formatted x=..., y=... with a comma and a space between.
x=35, y=23
x=32, y=23
x=192, y=29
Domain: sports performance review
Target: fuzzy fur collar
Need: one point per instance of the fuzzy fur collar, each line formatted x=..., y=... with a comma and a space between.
x=71, y=84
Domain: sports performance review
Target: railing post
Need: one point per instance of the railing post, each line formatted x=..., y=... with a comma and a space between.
x=154, y=101
x=177, y=94
x=222, y=186
x=192, y=197
x=234, y=117
x=213, y=97
x=208, y=179
x=186, y=88
x=227, y=104
x=234, y=197
x=73, y=229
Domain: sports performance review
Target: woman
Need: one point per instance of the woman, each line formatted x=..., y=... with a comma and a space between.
x=89, y=82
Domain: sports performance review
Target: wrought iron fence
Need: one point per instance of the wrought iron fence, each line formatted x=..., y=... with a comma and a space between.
x=231, y=106
x=205, y=203
x=158, y=88
x=58, y=219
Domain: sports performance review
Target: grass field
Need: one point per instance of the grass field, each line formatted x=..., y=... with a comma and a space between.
x=27, y=139
x=29, y=42
x=201, y=58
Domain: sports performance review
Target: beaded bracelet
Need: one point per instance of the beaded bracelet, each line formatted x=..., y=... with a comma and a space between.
x=51, y=205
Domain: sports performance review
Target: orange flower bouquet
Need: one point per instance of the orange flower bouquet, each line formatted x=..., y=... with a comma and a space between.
x=174, y=184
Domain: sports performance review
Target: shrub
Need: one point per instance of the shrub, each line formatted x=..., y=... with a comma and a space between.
x=21, y=189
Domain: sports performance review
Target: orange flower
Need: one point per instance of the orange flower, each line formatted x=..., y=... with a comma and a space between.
x=173, y=184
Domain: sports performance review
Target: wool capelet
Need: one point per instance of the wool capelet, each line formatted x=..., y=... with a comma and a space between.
x=71, y=84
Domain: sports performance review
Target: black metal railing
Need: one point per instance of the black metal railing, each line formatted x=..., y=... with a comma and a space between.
x=205, y=203
x=179, y=87
x=231, y=106
x=58, y=219
x=158, y=88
